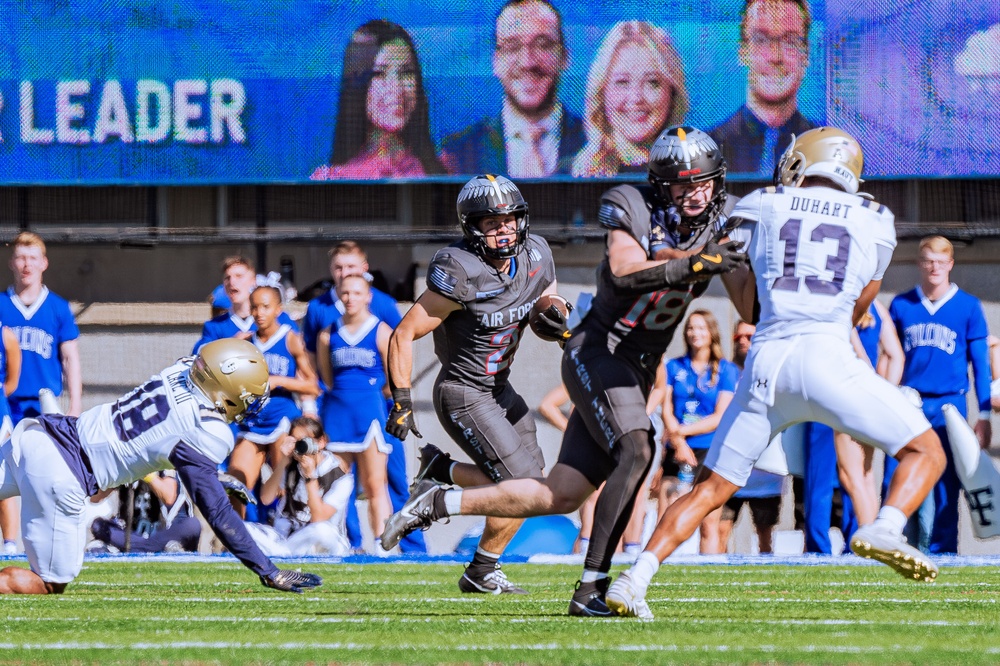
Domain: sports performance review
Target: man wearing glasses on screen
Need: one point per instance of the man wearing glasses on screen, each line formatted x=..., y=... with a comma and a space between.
x=534, y=133
x=774, y=46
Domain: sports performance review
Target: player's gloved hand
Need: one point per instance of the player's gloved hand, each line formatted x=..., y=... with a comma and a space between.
x=291, y=581
x=715, y=259
x=401, y=421
x=552, y=325
x=236, y=488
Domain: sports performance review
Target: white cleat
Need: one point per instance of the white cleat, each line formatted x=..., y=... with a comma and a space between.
x=624, y=598
x=875, y=544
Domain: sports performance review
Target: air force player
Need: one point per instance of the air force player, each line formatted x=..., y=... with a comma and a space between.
x=179, y=418
x=819, y=252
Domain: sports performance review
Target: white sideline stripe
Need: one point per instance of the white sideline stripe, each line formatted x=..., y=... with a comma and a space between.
x=537, y=647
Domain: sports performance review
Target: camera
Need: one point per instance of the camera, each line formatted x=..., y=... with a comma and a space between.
x=305, y=446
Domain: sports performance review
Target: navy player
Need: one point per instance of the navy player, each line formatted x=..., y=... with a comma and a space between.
x=351, y=356
x=818, y=251
x=943, y=329
x=291, y=373
x=479, y=293
x=609, y=363
x=349, y=258
x=239, y=279
x=177, y=419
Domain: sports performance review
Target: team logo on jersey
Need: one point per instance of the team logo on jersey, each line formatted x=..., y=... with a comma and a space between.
x=443, y=280
x=535, y=254
x=481, y=295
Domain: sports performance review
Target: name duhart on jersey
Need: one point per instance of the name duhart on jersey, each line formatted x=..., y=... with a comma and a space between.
x=813, y=249
x=135, y=435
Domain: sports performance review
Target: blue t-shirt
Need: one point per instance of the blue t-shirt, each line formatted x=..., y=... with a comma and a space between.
x=695, y=395
x=229, y=325
x=326, y=309
x=40, y=329
x=936, y=340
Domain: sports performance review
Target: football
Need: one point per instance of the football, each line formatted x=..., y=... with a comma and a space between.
x=542, y=325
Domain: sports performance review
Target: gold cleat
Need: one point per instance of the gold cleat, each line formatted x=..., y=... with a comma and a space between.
x=881, y=546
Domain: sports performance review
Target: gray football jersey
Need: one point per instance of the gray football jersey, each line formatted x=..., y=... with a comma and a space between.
x=634, y=326
x=476, y=344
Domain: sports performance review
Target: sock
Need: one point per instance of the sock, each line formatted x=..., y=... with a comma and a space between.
x=378, y=544
x=483, y=562
x=645, y=567
x=591, y=576
x=452, y=502
x=451, y=468
x=631, y=549
x=891, y=519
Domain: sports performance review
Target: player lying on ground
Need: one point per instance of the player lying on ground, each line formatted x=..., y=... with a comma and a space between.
x=179, y=419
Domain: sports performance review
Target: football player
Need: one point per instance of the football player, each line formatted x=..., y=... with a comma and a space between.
x=610, y=361
x=179, y=418
x=479, y=294
x=834, y=249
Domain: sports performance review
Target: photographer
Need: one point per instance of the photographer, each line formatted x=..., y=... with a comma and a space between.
x=313, y=485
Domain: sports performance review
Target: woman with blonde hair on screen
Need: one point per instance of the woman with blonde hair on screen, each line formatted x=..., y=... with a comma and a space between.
x=635, y=89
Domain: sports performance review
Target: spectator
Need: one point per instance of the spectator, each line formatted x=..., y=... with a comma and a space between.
x=239, y=278
x=10, y=373
x=291, y=373
x=46, y=334
x=774, y=46
x=312, y=486
x=349, y=258
x=762, y=493
x=351, y=356
x=699, y=387
x=635, y=89
x=994, y=344
x=943, y=330
x=383, y=124
x=534, y=132
x=161, y=518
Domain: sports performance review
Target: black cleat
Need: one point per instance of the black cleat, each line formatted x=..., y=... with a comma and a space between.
x=494, y=582
x=434, y=465
x=588, y=599
x=417, y=514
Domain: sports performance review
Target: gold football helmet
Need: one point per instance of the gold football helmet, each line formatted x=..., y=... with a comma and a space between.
x=233, y=375
x=826, y=152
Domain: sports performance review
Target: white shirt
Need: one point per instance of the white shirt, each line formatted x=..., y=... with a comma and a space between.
x=517, y=132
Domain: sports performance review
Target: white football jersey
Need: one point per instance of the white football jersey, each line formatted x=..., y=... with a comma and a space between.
x=812, y=249
x=127, y=439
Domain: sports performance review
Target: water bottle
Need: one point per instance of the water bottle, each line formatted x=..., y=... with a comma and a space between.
x=685, y=478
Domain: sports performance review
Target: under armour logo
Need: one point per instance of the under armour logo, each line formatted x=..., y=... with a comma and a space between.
x=980, y=506
x=761, y=383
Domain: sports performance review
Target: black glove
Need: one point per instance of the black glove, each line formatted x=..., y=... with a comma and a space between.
x=715, y=259
x=401, y=421
x=550, y=324
x=287, y=580
x=235, y=488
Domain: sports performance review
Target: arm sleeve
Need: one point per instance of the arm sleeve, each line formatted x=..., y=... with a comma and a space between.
x=883, y=255
x=979, y=355
x=68, y=329
x=199, y=476
x=310, y=327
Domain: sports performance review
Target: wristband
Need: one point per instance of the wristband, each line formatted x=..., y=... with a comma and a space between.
x=309, y=406
x=984, y=415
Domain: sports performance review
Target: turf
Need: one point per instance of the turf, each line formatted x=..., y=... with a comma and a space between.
x=136, y=611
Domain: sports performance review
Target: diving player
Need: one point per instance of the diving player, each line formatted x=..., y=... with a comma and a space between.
x=610, y=361
x=177, y=419
x=479, y=293
x=818, y=251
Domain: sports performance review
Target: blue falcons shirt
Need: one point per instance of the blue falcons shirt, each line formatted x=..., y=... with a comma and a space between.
x=938, y=341
x=40, y=328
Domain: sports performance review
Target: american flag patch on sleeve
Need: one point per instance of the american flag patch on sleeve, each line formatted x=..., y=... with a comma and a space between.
x=610, y=216
x=441, y=279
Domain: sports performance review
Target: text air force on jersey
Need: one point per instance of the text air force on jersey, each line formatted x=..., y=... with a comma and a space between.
x=194, y=111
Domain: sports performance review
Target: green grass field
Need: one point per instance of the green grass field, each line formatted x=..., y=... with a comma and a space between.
x=216, y=612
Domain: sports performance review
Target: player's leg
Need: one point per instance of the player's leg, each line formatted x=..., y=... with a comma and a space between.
x=728, y=516
x=854, y=467
x=399, y=488
x=848, y=396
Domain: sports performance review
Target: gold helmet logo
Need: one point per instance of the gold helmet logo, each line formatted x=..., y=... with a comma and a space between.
x=233, y=375
x=824, y=152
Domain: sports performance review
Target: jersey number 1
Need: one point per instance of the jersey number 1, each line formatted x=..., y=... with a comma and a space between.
x=789, y=281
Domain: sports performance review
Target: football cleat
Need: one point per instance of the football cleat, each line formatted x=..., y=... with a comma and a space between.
x=417, y=513
x=625, y=599
x=876, y=544
x=494, y=582
x=431, y=458
x=588, y=599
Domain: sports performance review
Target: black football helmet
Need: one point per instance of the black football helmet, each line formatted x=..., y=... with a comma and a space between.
x=490, y=194
x=684, y=154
